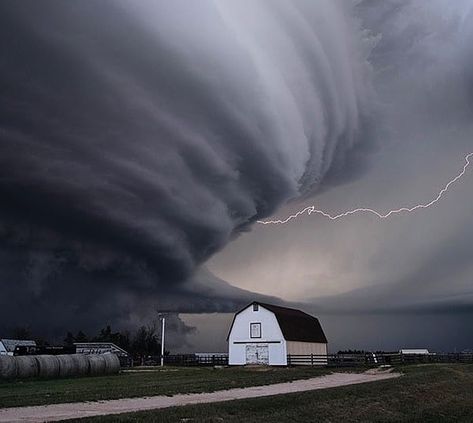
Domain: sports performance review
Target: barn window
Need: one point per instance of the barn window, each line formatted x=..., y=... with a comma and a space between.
x=255, y=307
x=255, y=330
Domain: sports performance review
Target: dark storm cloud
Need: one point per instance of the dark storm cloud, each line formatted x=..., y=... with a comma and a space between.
x=138, y=138
x=405, y=281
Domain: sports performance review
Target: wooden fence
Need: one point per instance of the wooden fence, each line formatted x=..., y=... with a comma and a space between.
x=330, y=360
x=196, y=360
x=373, y=359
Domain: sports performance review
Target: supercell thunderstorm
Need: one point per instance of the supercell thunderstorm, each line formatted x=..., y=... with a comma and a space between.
x=137, y=139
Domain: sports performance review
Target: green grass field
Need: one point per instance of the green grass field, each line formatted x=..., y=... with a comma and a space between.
x=426, y=393
x=168, y=381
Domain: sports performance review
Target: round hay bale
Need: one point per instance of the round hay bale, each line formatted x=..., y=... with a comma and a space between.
x=81, y=364
x=97, y=364
x=27, y=366
x=67, y=366
x=48, y=365
x=8, y=367
x=112, y=363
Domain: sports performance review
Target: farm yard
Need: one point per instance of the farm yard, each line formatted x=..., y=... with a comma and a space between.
x=307, y=384
x=256, y=381
x=145, y=382
x=425, y=392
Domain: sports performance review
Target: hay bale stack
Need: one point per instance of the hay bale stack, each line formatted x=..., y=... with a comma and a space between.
x=96, y=364
x=112, y=363
x=8, y=368
x=81, y=364
x=27, y=366
x=48, y=365
x=67, y=366
x=51, y=366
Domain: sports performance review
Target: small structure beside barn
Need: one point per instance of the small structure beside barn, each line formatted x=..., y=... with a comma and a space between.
x=415, y=351
x=265, y=334
x=92, y=348
x=8, y=346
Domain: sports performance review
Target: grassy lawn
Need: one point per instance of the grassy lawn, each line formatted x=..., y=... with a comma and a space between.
x=168, y=381
x=426, y=393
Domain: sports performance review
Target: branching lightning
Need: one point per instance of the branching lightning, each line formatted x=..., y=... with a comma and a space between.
x=311, y=209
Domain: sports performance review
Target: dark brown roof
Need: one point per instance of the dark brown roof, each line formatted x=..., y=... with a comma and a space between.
x=295, y=324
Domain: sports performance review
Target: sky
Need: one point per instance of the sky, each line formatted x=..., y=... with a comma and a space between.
x=141, y=143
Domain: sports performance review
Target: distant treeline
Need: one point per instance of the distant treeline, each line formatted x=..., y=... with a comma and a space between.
x=142, y=343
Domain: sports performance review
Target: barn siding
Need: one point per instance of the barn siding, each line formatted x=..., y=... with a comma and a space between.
x=304, y=348
x=270, y=334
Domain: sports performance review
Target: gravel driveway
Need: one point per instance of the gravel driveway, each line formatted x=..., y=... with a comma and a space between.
x=56, y=412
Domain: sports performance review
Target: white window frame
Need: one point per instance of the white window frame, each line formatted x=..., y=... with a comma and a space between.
x=255, y=325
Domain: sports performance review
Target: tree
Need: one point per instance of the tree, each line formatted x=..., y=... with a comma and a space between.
x=118, y=338
x=69, y=339
x=105, y=335
x=145, y=343
x=81, y=337
x=41, y=342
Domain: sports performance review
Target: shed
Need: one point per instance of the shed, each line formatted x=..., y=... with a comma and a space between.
x=264, y=333
x=415, y=351
x=100, y=348
x=7, y=346
x=94, y=348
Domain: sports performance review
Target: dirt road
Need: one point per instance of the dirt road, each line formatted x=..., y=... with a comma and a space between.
x=56, y=412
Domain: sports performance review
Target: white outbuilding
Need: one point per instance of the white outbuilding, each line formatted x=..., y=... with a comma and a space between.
x=414, y=351
x=9, y=346
x=265, y=334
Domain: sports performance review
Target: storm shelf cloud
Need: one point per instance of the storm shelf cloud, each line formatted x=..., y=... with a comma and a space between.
x=138, y=139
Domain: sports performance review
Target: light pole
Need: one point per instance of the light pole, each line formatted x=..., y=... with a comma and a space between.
x=163, y=321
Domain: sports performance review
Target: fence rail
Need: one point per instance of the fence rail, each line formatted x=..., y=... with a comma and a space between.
x=330, y=360
x=190, y=360
x=370, y=359
x=197, y=360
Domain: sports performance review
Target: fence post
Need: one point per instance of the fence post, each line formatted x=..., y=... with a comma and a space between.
x=312, y=360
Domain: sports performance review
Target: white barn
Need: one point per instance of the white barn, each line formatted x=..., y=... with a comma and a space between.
x=265, y=334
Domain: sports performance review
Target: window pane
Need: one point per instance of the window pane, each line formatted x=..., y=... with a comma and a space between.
x=255, y=330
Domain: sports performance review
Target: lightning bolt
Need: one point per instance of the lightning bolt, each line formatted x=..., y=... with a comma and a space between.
x=311, y=209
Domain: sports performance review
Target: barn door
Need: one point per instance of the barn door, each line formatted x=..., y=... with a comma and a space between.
x=257, y=354
x=251, y=356
x=262, y=352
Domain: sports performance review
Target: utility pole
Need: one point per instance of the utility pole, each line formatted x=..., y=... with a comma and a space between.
x=163, y=320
